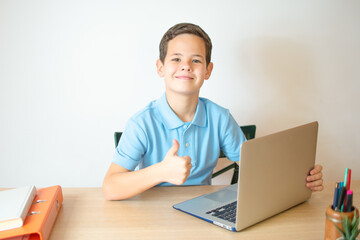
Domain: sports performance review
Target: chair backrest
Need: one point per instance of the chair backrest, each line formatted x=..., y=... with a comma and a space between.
x=117, y=136
x=249, y=131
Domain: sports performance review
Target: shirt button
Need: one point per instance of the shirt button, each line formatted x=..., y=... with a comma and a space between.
x=187, y=144
x=184, y=126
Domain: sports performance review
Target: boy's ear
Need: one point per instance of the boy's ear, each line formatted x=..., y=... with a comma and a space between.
x=209, y=69
x=159, y=68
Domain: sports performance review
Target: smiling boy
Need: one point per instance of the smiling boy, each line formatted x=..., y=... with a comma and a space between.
x=176, y=140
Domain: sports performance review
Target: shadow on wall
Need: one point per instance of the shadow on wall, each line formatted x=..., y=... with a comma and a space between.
x=281, y=76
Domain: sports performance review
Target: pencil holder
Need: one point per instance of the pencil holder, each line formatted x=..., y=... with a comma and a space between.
x=334, y=218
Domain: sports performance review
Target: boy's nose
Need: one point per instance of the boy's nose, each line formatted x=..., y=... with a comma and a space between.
x=186, y=67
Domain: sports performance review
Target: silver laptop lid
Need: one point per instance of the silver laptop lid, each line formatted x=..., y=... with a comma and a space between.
x=270, y=171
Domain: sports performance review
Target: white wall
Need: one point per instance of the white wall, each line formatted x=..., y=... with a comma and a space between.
x=73, y=72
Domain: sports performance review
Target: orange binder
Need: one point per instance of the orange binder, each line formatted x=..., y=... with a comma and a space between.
x=41, y=217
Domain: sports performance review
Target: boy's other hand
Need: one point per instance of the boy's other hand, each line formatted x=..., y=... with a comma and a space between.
x=314, y=180
x=176, y=169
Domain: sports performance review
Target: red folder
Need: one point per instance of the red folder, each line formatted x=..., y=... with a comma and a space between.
x=41, y=217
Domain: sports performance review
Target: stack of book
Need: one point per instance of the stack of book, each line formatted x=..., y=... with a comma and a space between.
x=28, y=213
x=14, y=206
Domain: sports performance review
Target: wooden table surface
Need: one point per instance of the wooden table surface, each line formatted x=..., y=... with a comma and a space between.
x=86, y=215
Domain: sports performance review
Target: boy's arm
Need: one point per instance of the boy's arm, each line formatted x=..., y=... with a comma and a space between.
x=121, y=183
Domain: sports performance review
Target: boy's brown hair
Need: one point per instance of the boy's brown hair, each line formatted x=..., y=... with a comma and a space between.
x=185, y=28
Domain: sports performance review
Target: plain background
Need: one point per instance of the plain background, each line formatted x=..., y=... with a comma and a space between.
x=73, y=72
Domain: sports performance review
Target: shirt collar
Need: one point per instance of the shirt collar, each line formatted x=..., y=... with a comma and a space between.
x=200, y=114
x=172, y=121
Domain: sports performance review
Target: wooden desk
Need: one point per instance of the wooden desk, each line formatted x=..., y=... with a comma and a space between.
x=86, y=215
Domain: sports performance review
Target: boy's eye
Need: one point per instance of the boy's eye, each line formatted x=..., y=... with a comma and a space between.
x=176, y=59
x=196, y=61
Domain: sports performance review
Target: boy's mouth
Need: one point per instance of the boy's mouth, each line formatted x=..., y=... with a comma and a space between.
x=184, y=77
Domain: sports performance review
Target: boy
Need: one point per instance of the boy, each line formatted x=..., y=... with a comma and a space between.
x=176, y=139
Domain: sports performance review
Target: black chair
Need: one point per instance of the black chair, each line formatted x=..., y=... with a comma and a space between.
x=117, y=136
x=249, y=132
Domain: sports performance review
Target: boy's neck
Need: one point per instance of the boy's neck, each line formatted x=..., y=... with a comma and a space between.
x=184, y=106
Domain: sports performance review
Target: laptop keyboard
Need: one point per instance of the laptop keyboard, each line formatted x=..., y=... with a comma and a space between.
x=226, y=212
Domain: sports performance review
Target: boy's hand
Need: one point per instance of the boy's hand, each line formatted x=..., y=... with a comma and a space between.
x=314, y=180
x=176, y=169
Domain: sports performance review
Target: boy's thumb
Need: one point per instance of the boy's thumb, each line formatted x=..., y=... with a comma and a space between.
x=174, y=148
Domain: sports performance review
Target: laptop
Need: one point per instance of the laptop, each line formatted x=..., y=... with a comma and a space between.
x=272, y=179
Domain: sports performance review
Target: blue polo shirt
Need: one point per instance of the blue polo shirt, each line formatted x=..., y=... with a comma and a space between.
x=149, y=133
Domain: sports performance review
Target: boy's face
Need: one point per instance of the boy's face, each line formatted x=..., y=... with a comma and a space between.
x=184, y=68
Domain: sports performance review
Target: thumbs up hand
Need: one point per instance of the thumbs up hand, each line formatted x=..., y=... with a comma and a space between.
x=175, y=169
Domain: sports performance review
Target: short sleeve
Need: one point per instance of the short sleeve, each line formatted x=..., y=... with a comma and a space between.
x=132, y=146
x=231, y=139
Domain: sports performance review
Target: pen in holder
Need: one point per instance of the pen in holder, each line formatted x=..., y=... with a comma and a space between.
x=335, y=218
